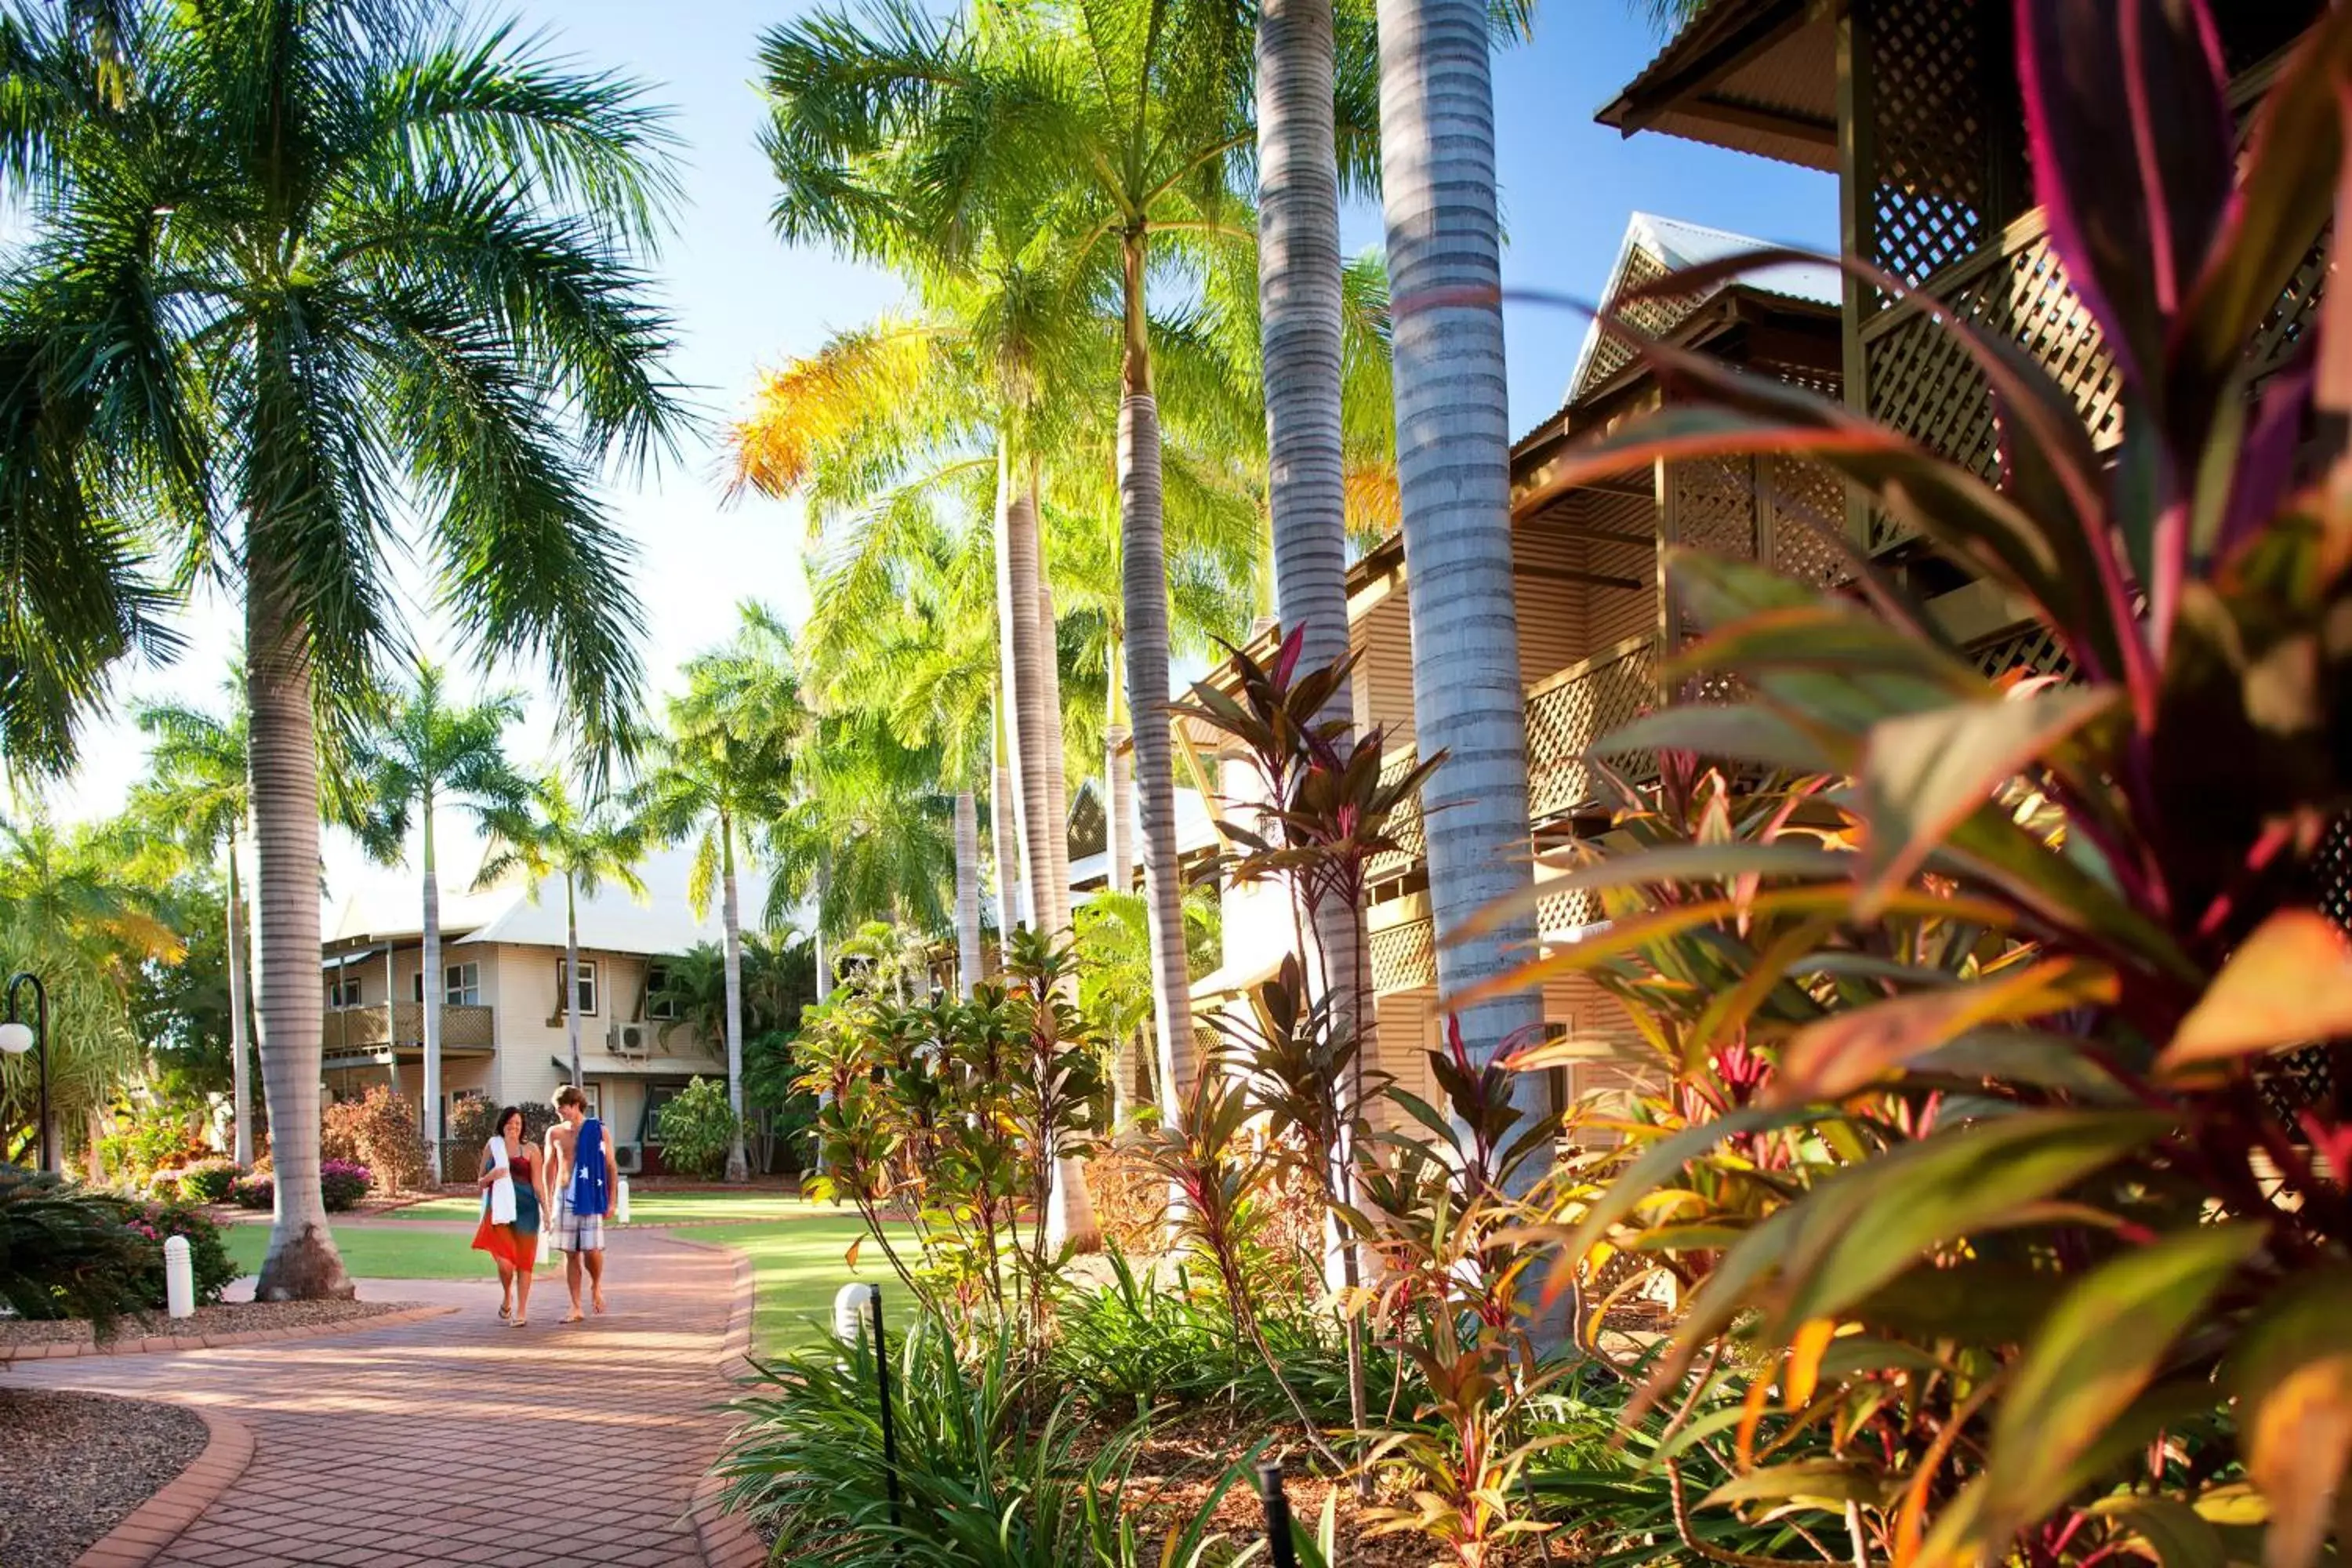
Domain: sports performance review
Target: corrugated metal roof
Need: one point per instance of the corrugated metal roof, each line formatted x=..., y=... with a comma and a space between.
x=1671, y=245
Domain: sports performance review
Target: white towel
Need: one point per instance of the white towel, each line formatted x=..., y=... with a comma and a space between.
x=502, y=1193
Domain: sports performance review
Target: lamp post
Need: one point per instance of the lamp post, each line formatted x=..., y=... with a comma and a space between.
x=16, y=1037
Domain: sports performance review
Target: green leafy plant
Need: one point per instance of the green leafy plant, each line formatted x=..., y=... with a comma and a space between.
x=2008, y=1206
x=698, y=1128
x=66, y=1253
x=255, y=1190
x=207, y=1180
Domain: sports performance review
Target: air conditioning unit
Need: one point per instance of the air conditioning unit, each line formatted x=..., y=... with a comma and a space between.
x=629, y=1159
x=631, y=1039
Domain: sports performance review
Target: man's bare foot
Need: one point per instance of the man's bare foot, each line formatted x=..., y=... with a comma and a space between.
x=574, y=1316
x=599, y=1302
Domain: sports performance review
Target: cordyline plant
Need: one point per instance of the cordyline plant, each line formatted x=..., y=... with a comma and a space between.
x=949, y=1116
x=2041, y=1191
x=1324, y=814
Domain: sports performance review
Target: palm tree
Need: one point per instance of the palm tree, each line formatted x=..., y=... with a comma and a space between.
x=869, y=837
x=308, y=260
x=551, y=833
x=198, y=794
x=1453, y=440
x=727, y=764
x=426, y=753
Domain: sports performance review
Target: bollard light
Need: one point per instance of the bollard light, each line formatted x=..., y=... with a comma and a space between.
x=849, y=1308
x=179, y=1279
x=621, y=1203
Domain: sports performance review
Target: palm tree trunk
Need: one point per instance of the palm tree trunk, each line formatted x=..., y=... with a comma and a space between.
x=1036, y=694
x=816, y=936
x=1057, y=836
x=967, y=874
x=240, y=1047
x=302, y=1263
x=1299, y=305
x=432, y=998
x=572, y=975
x=1437, y=188
x=1010, y=895
x=739, y=1164
x=1143, y=599
x=1118, y=786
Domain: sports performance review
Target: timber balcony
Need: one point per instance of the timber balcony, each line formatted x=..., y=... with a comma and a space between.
x=349, y=1029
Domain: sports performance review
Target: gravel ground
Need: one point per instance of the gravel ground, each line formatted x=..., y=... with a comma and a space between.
x=226, y=1317
x=79, y=1463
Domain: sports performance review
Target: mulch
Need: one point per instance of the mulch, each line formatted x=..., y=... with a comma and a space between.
x=225, y=1317
x=79, y=1463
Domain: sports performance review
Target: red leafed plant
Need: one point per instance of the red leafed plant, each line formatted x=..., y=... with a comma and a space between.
x=2043, y=1267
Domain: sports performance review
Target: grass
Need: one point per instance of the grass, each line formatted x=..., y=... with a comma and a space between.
x=379, y=1252
x=647, y=1209
x=796, y=1268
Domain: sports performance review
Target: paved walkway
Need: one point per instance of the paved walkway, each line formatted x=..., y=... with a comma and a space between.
x=458, y=1440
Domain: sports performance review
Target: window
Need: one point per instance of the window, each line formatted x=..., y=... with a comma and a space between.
x=462, y=985
x=657, y=1096
x=586, y=976
x=658, y=1007
x=416, y=986
x=1556, y=1083
x=343, y=991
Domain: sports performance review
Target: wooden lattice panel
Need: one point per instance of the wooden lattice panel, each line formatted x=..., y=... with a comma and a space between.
x=2284, y=329
x=1931, y=196
x=1404, y=958
x=1805, y=504
x=2031, y=650
x=1714, y=505
x=1654, y=318
x=1568, y=911
x=1567, y=717
x=1405, y=826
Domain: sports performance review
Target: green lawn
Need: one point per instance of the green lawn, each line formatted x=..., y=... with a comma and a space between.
x=654, y=1208
x=797, y=1267
x=379, y=1252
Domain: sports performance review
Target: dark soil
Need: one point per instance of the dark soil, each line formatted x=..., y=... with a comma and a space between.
x=79, y=1463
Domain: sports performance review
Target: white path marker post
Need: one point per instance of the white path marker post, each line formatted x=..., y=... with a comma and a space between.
x=179, y=1279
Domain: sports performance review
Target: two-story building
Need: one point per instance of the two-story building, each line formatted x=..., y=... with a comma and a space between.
x=504, y=1034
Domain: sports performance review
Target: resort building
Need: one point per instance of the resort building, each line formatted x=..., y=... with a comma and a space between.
x=504, y=1034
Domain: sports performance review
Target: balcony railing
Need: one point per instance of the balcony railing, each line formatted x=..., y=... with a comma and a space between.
x=463, y=1025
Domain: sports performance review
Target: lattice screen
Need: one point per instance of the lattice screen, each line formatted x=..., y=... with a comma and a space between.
x=1714, y=505
x=1568, y=911
x=1654, y=317
x=1403, y=958
x=1566, y=720
x=1804, y=508
x=1405, y=827
x=1936, y=124
x=2033, y=650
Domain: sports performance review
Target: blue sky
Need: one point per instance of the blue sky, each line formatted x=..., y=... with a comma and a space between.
x=743, y=299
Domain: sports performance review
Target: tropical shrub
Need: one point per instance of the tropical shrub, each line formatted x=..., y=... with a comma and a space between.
x=1978, y=1160
x=132, y=1155
x=254, y=1190
x=207, y=1180
x=992, y=1470
x=342, y=1183
x=379, y=1130
x=697, y=1129
x=153, y=1224
x=66, y=1253
x=953, y=1114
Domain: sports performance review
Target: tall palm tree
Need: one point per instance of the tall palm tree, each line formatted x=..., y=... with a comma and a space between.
x=586, y=842
x=198, y=793
x=1453, y=441
x=869, y=837
x=727, y=765
x=426, y=753
x=308, y=258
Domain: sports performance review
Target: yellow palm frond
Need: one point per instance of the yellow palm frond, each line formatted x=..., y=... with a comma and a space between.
x=814, y=406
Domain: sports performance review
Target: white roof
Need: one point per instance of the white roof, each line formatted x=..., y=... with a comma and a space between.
x=1194, y=830
x=611, y=920
x=1676, y=245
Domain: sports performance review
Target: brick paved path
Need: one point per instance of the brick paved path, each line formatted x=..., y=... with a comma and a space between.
x=458, y=1440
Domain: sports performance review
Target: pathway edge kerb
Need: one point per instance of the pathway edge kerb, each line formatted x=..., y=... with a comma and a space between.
x=159, y=1521
x=166, y=1345
x=727, y=1539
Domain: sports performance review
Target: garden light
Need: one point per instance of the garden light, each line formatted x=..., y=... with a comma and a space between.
x=16, y=1038
x=179, y=1279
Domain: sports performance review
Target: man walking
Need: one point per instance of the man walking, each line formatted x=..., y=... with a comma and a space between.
x=583, y=1174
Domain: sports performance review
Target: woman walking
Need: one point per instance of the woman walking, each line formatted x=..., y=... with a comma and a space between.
x=514, y=1195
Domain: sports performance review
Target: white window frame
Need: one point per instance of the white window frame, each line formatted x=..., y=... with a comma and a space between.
x=584, y=977
x=461, y=983
x=345, y=992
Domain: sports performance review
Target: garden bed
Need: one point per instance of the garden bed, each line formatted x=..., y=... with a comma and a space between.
x=227, y=1318
x=80, y=1463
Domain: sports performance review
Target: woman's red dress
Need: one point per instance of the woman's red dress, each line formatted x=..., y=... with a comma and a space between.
x=516, y=1244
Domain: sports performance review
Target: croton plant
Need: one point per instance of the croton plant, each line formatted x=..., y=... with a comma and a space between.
x=1969, y=1167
